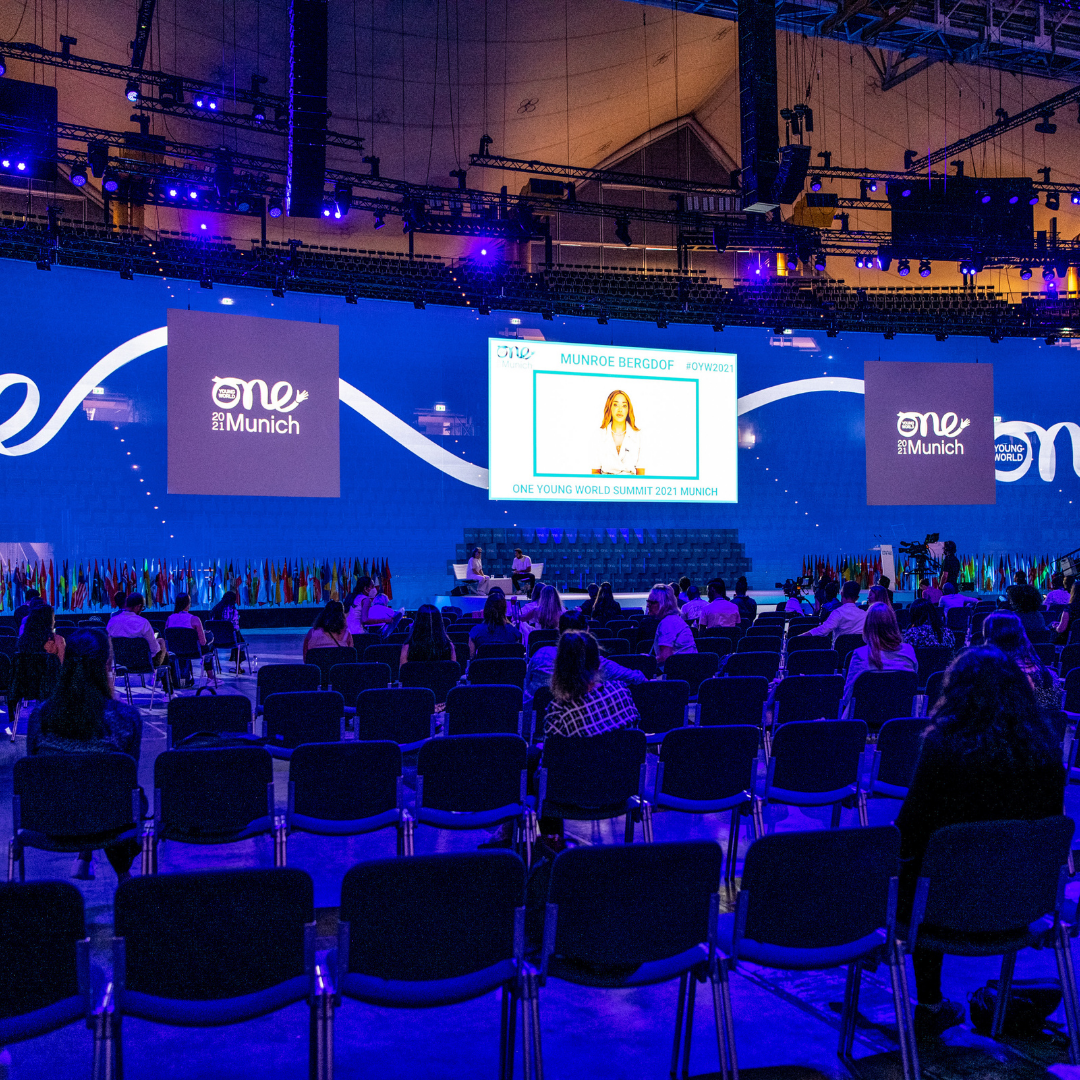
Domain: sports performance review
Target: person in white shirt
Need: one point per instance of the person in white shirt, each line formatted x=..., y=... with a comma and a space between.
x=474, y=572
x=720, y=611
x=1058, y=594
x=183, y=618
x=672, y=634
x=951, y=598
x=618, y=448
x=694, y=606
x=848, y=618
x=885, y=649
x=521, y=571
x=129, y=623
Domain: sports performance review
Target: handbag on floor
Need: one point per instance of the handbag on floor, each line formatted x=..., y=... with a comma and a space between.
x=1031, y=1002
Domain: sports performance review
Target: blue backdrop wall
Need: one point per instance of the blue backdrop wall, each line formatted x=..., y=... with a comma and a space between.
x=801, y=462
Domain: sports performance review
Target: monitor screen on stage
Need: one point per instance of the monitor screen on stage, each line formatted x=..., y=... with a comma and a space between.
x=591, y=423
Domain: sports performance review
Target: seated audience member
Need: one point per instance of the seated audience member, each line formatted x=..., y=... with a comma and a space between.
x=885, y=649
x=427, y=638
x=1070, y=616
x=832, y=599
x=23, y=609
x=683, y=590
x=330, y=631
x=747, y=605
x=474, y=572
x=672, y=634
x=83, y=716
x=1005, y=631
x=587, y=606
x=927, y=627
x=848, y=618
x=130, y=623
x=365, y=616
x=38, y=633
x=227, y=609
x=521, y=571
x=719, y=611
x=119, y=601
x=606, y=607
x=930, y=590
x=951, y=598
x=1028, y=605
x=182, y=617
x=542, y=662
x=878, y=594
x=694, y=606
x=986, y=756
x=38, y=638
x=528, y=611
x=496, y=629
x=1017, y=589
x=886, y=584
x=674, y=587
x=1058, y=594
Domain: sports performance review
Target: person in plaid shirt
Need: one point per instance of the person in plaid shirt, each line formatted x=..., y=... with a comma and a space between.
x=584, y=705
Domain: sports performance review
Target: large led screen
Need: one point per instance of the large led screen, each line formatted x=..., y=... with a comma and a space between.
x=593, y=424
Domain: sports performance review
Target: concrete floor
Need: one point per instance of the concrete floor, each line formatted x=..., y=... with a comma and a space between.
x=786, y=1025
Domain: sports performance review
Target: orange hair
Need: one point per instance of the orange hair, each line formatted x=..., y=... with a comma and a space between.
x=606, y=422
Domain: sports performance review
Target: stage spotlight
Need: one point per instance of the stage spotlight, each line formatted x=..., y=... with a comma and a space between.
x=109, y=181
x=903, y=268
x=905, y=192
x=21, y=166
x=342, y=198
x=326, y=211
x=1033, y=199
x=202, y=101
x=872, y=185
x=206, y=282
x=244, y=204
x=419, y=303
x=172, y=191
x=131, y=91
x=815, y=183
x=860, y=262
x=983, y=196
x=379, y=222
x=3, y=67
x=1075, y=198
x=77, y=176
x=350, y=298
x=193, y=194
x=622, y=230
x=924, y=268
x=1048, y=273
x=819, y=262
x=223, y=178
x=1053, y=200
x=1025, y=273
x=97, y=157
x=258, y=114
x=274, y=209
x=1014, y=199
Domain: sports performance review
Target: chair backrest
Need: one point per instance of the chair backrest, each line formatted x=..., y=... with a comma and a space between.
x=841, y=877
x=1072, y=691
x=306, y=717
x=8, y=645
x=40, y=923
x=1046, y=652
x=182, y=642
x=817, y=755
x=217, y=790
x=349, y=680
x=133, y=653
x=934, y=682
x=619, y=906
x=430, y=917
x=399, y=714
x=799, y=642
x=734, y=699
x=692, y=668
x=957, y=619
x=537, y=638
x=1070, y=658
x=766, y=627
x=762, y=664
x=439, y=676
x=709, y=763
x=880, y=695
x=845, y=643
x=601, y=633
x=540, y=702
x=813, y=661
x=599, y=771
x=214, y=935
x=809, y=697
x=994, y=876
x=489, y=708
x=898, y=744
x=615, y=648
x=470, y=773
x=383, y=654
x=503, y=670
x=501, y=650
x=221, y=713
x=719, y=646
x=223, y=631
x=643, y=662
x=661, y=705
x=759, y=643
x=284, y=679
x=325, y=659
x=77, y=794
x=932, y=658
x=344, y=781
x=5, y=672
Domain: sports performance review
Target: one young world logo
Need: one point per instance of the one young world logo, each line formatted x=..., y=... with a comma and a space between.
x=945, y=430
x=227, y=393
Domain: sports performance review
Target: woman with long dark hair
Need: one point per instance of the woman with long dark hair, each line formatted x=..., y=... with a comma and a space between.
x=427, y=638
x=329, y=630
x=987, y=756
x=1004, y=631
x=39, y=652
x=496, y=629
x=605, y=606
x=83, y=716
x=927, y=627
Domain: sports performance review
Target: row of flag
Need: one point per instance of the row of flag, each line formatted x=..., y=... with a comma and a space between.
x=75, y=586
x=988, y=573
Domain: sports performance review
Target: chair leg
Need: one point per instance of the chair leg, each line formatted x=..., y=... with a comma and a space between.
x=506, y=1047
x=11, y=860
x=646, y=823
x=628, y=832
x=732, y=847
x=678, y=1026
x=279, y=841
x=835, y=822
x=851, y=1005
x=864, y=820
x=147, y=862
x=1067, y=975
x=688, y=1030
x=1008, y=963
x=909, y=1059
x=725, y=1024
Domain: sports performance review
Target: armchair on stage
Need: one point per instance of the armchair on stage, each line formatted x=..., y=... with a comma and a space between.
x=503, y=583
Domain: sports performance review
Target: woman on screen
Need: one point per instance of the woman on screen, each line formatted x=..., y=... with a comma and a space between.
x=618, y=450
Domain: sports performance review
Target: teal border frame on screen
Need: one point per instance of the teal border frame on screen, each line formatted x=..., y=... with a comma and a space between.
x=641, y=378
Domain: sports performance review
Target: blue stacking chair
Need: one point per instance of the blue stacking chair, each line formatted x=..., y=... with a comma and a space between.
x=351, y=680
x=708, y=770
x=307, y=717
x=847, y=883
x=643, y=662
x=487, y=708
x=348, y=789
x=475, y=782
x=502, y=670
x=284, y=679
x=812, y=661
x=224, y=636
x=438, y=930
x=692, y=669
x=895, y=756
x=72, y=802
x=222, y=714
x=808, y=697
x=661, y=705
x=992, y=888
x=931, y=658
x=625, y=917
x=132, y=657
x=501, y=650
x=763, y=665
x=878, y=696
x=732, y=699
x=816, y=763
x=596, y=779
x=214, y=796
x=45, y=957
x=217, y=948
x=328, y=658
x=934, y=682
x=401, y=714
x=800, y=642
x=439, y=676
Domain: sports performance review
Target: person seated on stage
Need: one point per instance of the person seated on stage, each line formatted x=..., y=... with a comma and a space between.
x=951, y=597
x=82, y=716
x=719, y=611
x=927, y=627
x=474, y=572
x=182, y=617
x=495, y=629
x=330, y=630
x=605, y=606
x=885, y=649
x=930, y=590
x=694, y=607
x=1005, y=631
x=521, y=571
x=587, y=607
x=987, y=755
x=683, y=591
x=427, y=638
x=130, y=623
x=542, y=662
x=747, y=605
x=672, y=634
x=1058, y=594
x=832, y=599
x=848, y=618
